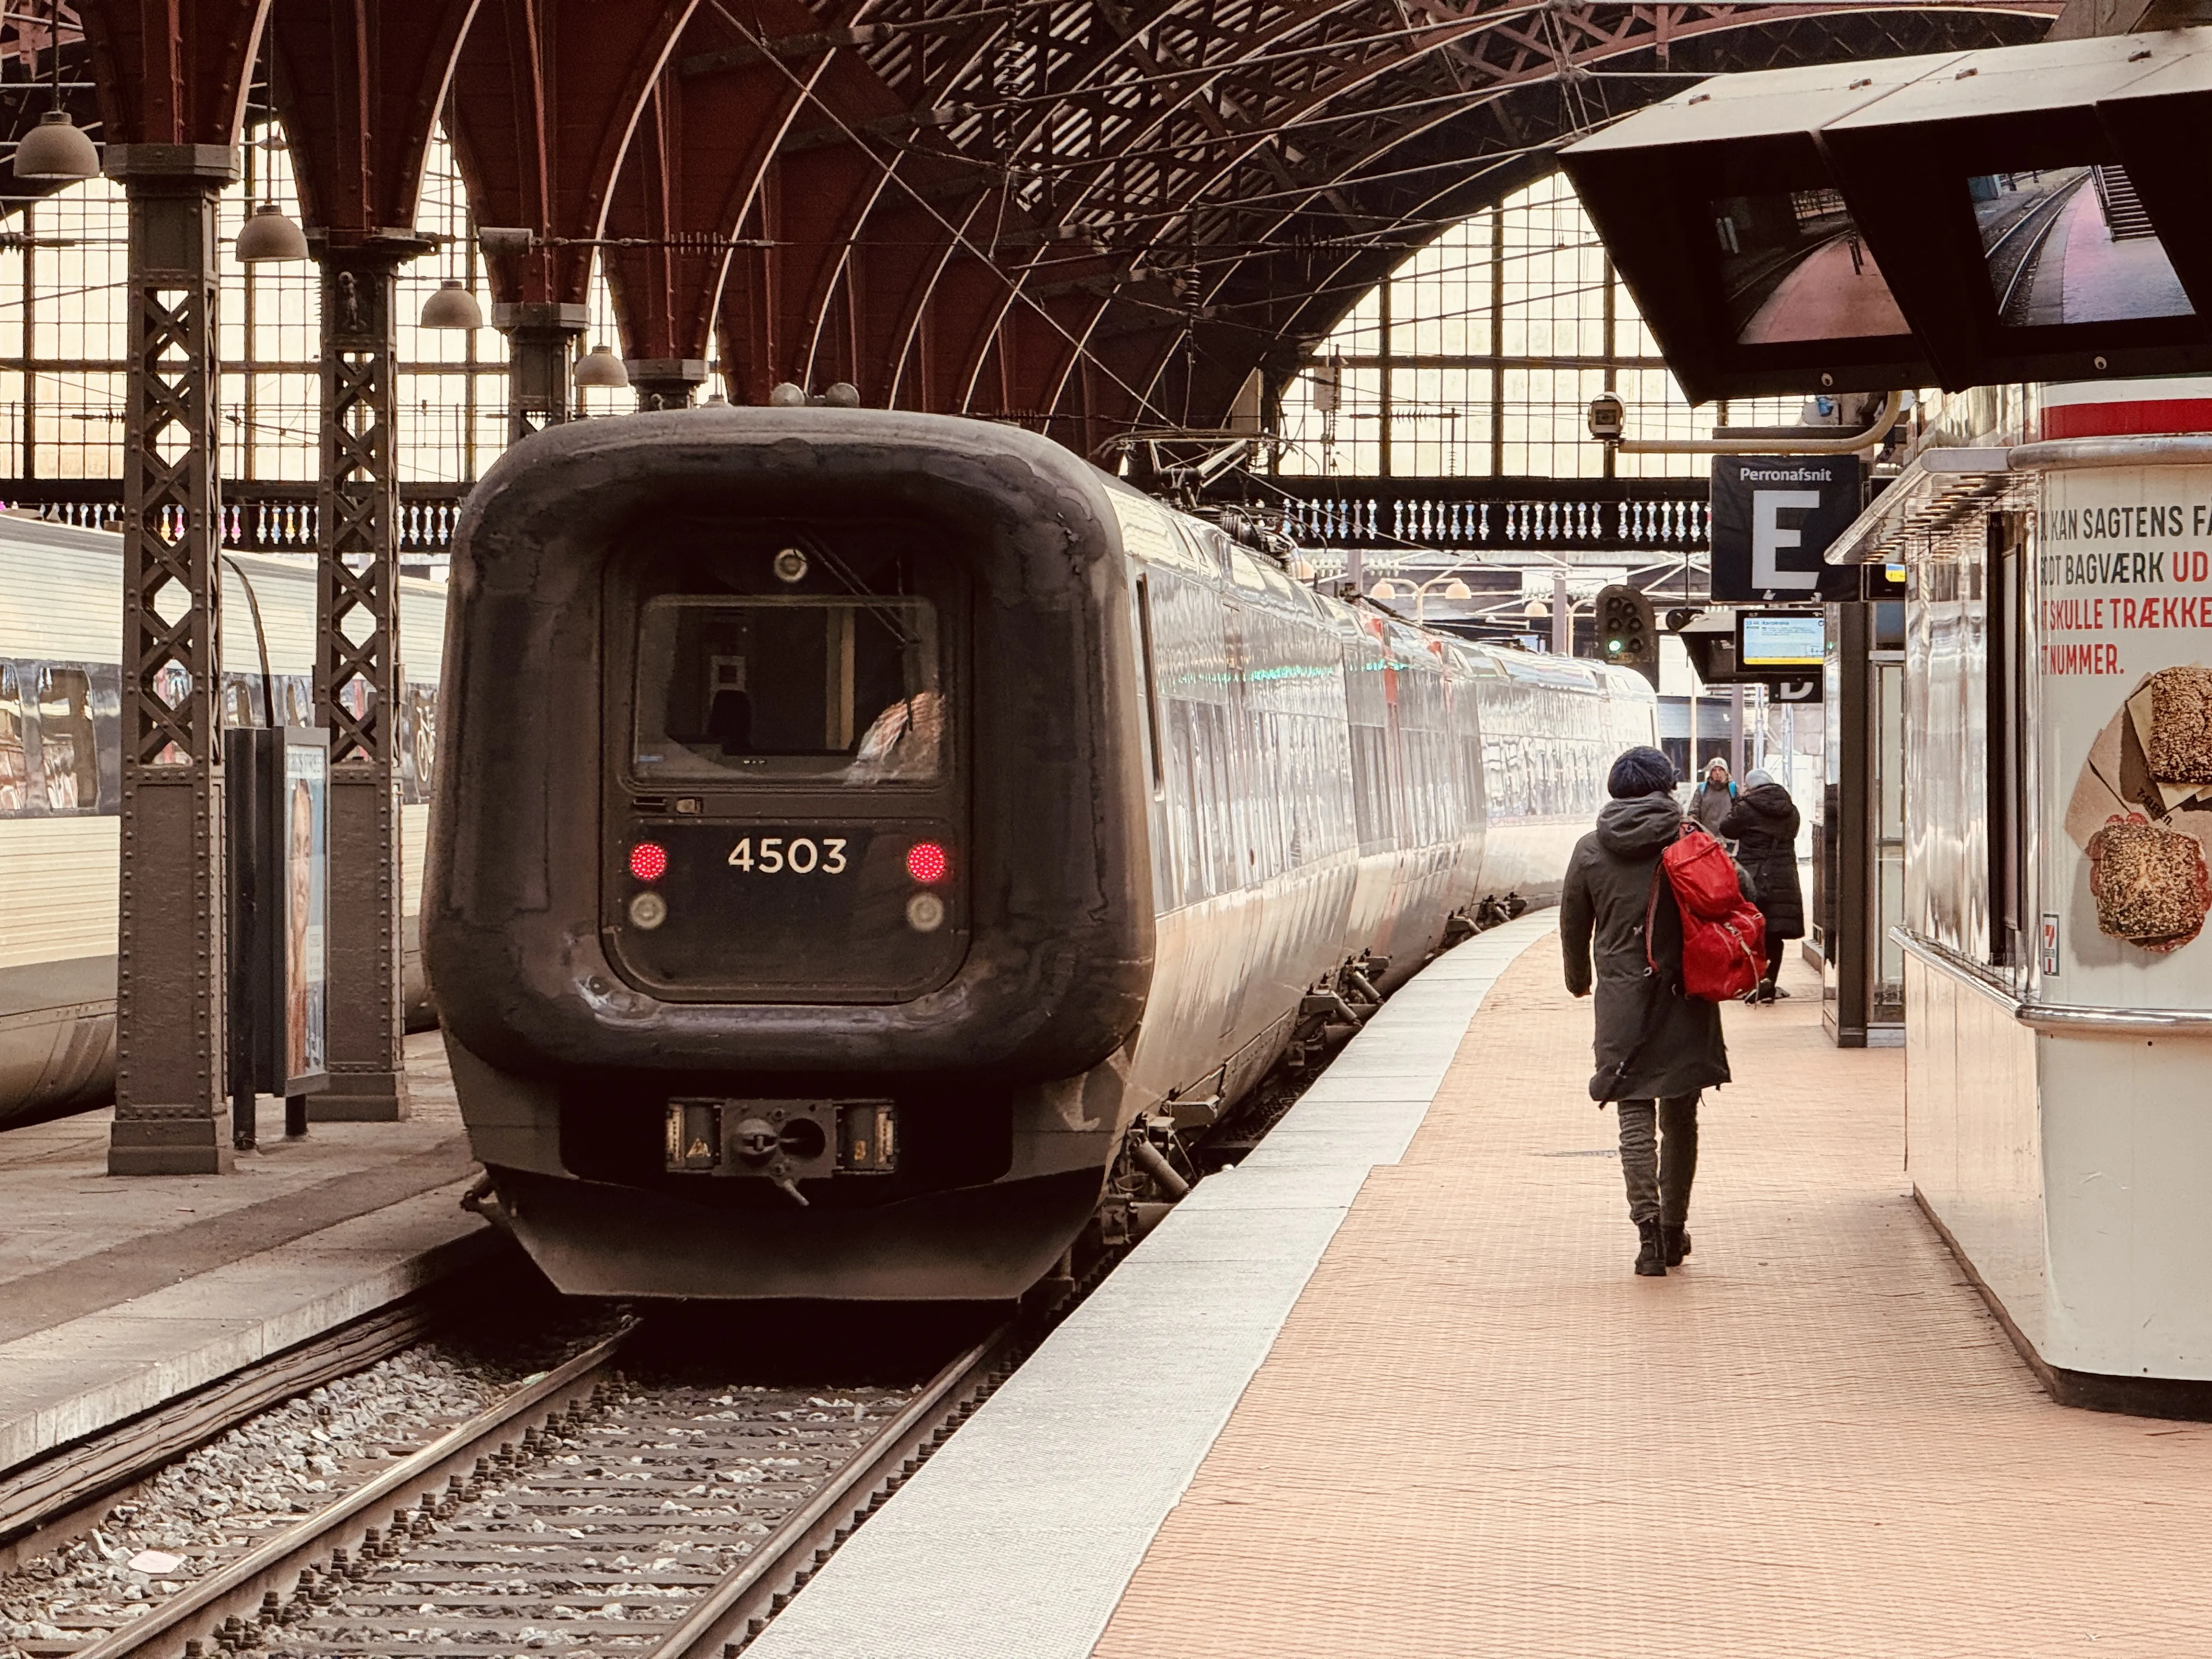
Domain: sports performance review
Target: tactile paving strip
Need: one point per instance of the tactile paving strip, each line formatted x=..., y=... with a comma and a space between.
x=1478, y=1434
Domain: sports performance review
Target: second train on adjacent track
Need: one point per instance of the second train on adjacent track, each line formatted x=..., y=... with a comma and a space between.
x=855, y=822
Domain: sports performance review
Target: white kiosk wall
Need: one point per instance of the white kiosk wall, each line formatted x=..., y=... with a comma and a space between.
x=2059, y=1019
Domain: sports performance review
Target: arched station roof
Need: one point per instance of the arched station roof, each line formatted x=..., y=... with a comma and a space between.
x=1086, y=215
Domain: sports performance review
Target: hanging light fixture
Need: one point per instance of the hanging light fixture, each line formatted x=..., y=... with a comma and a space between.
x=1384, y=589
x=601, y=367
x=56, y=150
x=267, y=236
x=452, y=307
x=1457, y=589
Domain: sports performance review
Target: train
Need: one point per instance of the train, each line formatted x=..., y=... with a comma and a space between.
x=863, y=832
x=61, y=637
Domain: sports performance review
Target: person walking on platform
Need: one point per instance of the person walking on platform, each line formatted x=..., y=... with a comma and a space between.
x=1763, y=823
x=1713, y=801
x=1656, y=1049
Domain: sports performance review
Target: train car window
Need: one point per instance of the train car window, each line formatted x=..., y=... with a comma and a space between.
x=1152, y=687
x=67, y=755
x=15, y=764
x=1243, y=568
x=830, y=690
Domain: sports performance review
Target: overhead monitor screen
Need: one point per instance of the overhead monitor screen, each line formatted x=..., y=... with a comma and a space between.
x=1794, y=267
x=2072, y=245
x=1779, y=640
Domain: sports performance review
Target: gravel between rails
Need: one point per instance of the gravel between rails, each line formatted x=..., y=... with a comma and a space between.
x=600, y=1534
x=216, y=1504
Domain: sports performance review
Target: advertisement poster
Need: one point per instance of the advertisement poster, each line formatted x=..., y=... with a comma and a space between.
x=305, y=831
x=2124, y=676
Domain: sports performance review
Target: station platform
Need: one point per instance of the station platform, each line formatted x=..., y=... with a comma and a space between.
x=119, y=1294
x=1389, y=1388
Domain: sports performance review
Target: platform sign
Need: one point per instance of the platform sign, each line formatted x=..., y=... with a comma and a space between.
x=278, y=782
x=1773, y=516
x=2123, y=639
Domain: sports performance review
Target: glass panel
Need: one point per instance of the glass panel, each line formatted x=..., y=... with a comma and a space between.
x=822, y=690
x=66, y=754
x=14, y=770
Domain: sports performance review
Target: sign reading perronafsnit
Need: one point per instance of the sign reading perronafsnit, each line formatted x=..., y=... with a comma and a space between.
x=1773, y=518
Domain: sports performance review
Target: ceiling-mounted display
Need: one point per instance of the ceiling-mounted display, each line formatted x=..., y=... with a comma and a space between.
x=2021, y=213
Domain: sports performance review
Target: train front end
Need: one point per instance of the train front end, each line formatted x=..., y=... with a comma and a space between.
x=787, y=912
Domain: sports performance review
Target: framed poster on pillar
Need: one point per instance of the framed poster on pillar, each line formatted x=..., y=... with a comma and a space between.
x=278, y=785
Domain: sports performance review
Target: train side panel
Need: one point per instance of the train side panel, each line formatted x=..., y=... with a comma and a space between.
x=60, y=782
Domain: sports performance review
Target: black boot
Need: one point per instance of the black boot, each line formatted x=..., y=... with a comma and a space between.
x=1677, y=1240
x=1651, y=1260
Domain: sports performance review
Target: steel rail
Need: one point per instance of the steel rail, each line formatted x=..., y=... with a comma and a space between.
x=238, y=1589
x=735, y=1610
x=42, y=1493
x=2031, y=250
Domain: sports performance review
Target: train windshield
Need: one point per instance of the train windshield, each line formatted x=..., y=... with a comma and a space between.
x=822, y=691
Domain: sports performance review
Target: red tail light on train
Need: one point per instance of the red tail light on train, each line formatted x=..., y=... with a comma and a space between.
x=927, y=863
x=648, y=860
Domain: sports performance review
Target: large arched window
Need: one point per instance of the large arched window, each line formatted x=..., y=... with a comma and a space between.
x=1479, y=357
x=62, y=337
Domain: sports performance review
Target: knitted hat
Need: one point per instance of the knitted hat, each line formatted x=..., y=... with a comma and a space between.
x=1640, y=771
x=1752, y=781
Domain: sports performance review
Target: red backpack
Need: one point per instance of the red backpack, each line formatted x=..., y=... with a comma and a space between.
x=1723, y=935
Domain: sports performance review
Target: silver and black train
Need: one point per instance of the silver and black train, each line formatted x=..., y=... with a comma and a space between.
x=852, y=822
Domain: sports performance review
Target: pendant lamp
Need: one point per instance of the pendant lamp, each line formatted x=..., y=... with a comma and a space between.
x=452, y=307
x=56, y=151
x=601, y=367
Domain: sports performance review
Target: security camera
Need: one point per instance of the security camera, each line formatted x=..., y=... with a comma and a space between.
x=1608, y=418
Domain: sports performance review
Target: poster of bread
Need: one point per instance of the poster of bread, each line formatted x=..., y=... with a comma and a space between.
x=2124, y=731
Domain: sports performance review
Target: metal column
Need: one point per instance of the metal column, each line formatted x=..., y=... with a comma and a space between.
x=359, y=680
x=1844, y=883
x=171, y=1110
x=541, y=355
x=665, y=382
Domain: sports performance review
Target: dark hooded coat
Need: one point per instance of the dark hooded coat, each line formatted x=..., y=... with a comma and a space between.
x=1602, y=919
x=1763, y=823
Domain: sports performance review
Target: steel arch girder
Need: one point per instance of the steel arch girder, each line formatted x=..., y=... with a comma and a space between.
x=358, y=86
x=173, y=71
x=551, y=170
x=1127, y=353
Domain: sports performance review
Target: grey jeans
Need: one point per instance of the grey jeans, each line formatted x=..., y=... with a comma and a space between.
x=1660, y=1167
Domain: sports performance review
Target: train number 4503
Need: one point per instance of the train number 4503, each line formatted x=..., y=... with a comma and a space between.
x=801, y=855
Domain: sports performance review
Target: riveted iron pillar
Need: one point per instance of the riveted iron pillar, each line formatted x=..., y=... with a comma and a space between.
x=540, y=363
x=360, y=683
x=171, y=1111
x=665, y=382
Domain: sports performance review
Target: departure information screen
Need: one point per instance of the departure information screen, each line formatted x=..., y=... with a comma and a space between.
x=1779, y=639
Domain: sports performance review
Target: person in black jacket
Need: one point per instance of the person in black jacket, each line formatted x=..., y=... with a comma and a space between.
x=1656, y=1049
x=1763, y=825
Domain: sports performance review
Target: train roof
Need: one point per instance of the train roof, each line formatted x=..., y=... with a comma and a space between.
x=61, y=600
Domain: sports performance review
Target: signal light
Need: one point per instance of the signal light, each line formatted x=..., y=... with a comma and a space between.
x=1628, y=628
x=648, y=860
x=927, y=863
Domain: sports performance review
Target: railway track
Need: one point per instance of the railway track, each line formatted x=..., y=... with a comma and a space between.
x=587, y=1511
x=2013, y=256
